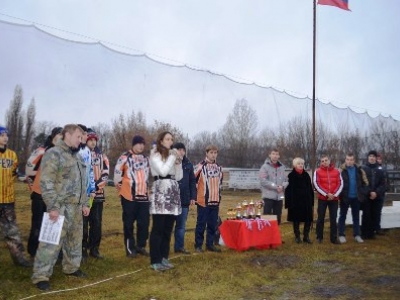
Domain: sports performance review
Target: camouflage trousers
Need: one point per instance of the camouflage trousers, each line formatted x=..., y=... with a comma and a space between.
x=9, y=227
x=70, y=242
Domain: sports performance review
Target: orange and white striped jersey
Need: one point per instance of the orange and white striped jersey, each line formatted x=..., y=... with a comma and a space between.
x=8, y=173
x=209, y=182
x=131, y=176
x=101, y=167
x=32, y=170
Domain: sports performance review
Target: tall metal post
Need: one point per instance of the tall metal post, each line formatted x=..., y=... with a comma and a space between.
x=314, y=149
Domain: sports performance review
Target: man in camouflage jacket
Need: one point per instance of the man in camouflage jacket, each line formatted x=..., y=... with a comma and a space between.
x=63, y=183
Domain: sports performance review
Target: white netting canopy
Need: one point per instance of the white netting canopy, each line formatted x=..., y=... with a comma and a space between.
x=75, y=81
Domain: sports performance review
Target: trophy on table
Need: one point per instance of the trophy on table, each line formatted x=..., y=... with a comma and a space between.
x=231, y=214
x=239, y=211
x=251, y=210
x=259, y=206
x=245, y=206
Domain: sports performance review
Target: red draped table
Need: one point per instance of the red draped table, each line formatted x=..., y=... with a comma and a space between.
x=237, y=234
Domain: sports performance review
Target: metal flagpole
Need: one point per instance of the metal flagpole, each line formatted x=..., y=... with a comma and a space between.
x=314, y=148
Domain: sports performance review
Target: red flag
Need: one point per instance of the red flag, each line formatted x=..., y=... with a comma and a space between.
x=343, y=4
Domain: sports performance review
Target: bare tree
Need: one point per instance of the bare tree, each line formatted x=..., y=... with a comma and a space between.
x=238, y=133
x=29, y=131
x=197, y=150
x=14, y=120
x=42, y=130
x=103, y=131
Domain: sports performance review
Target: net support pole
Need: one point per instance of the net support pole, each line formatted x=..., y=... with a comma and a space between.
x=314, y=147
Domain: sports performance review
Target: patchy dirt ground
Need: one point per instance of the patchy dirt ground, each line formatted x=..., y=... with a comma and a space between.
x=282, y=261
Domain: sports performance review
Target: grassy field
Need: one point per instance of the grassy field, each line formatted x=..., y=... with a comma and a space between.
x=318, y=271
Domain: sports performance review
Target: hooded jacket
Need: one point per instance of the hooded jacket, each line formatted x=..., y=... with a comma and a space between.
x=187, y=185
x=63, y=177
x=270, y=178
x=376, y=179
x=361, y=182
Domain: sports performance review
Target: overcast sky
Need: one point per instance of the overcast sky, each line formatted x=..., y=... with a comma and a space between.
x=263, y=41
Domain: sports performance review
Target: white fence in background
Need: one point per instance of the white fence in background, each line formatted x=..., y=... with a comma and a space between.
x=243, y=179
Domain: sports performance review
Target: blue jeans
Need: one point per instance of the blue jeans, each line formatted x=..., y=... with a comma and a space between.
x=180, y=229
x=355, y=214
x=206, y=216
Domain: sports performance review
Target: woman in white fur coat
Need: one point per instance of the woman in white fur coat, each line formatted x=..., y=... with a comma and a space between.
x=165, y=202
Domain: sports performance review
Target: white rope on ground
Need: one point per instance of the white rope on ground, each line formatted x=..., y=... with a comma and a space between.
x=88, y=285
x=81, y=287
x=92, y=284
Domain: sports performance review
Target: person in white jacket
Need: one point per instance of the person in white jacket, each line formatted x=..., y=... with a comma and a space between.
x=165, y=202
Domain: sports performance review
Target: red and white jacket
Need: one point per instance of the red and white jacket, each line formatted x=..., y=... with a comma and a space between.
x=327, y=180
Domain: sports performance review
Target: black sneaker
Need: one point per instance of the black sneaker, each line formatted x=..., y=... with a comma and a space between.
x=319, y=241
x=78, y=273
x=43, y=285
x=213, y=249
x=183, y=250
x=198, y=250
x=142, y=251
x=133, y=254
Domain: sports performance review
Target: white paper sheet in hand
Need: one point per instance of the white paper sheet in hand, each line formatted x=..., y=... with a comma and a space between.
x=50, y=232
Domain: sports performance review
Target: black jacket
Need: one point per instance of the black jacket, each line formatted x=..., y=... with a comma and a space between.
x=362, y=184
x=299, y=197
x=376, y=179
x=187, y=184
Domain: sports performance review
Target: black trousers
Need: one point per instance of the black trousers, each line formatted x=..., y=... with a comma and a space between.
x=160, y=237
x=38, y=208
x=92, y=228
x=139, y=212
x=333, y=208
x=273, y=207
x=370, y=217
x=306, y=229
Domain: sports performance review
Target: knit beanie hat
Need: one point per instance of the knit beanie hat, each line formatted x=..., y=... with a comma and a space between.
x=373, y=152
x=91, y=134
x=138, y=139
x=180, y=146
x=3, y=130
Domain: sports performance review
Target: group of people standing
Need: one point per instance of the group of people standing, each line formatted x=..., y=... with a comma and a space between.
x=351, y=186
x=67, y=175
x=176, y=186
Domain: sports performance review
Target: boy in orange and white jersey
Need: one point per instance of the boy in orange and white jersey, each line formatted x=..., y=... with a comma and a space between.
x=209, y=182
x=92, y=224
x=131, y=176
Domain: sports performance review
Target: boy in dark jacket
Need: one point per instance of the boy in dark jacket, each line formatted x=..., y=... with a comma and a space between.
x=371, y=205
x=187, y=186
x=355, y=183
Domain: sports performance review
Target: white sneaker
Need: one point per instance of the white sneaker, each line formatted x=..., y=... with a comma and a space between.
x=358, y=239
x=342, y=239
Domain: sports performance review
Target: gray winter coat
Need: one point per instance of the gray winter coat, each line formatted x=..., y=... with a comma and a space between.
x=270, y=178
